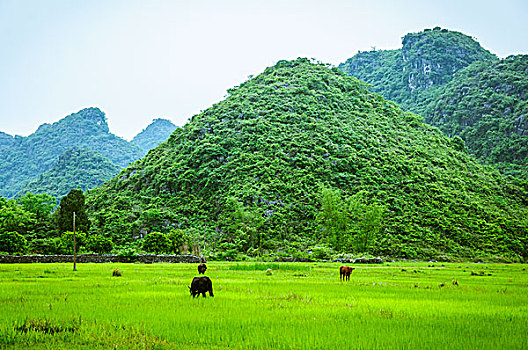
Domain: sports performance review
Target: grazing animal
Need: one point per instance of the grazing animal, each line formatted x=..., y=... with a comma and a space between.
x=201, y=285
x=116, y=273
x=202, y=268
x=344, y=273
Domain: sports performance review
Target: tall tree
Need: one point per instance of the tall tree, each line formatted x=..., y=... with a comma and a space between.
x=72, y=202
x=333, y=217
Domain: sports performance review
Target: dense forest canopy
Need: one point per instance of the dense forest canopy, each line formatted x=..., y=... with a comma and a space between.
x=50, y=160
x=158, y=131
x=262, y=169
x=77, y=168
x=486, y=104
x=455, y=84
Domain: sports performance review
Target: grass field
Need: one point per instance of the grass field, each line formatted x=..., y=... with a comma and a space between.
x=299, y=306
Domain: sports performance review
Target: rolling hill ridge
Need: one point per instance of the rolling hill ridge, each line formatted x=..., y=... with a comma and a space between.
x=251, y=173
x=23, y=159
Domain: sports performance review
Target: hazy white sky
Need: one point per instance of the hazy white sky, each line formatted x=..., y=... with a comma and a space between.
x=139, y=60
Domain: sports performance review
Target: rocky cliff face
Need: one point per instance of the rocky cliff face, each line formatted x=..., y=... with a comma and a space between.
x=427, y=59
x=458, y=86
x=432, y=57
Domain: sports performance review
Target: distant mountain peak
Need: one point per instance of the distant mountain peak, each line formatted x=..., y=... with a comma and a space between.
x=6, y=139
x=92, y=113
x=24, y=158
x=91, y=117
x=155, y=133
x=433, y=56
x=161, y=120
x=78, y=167
x=159, y=123
x=427, y=59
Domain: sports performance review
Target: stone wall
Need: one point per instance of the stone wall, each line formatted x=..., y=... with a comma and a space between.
x=360, y=261
x=103, y=258
x=346, y=261
x=144, y=259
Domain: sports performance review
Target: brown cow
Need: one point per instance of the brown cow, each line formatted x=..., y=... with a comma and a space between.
x=344, y=273
x=202, y=268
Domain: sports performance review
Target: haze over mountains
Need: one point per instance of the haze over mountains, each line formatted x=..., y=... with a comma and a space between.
x=461, y=88
x=47, y=160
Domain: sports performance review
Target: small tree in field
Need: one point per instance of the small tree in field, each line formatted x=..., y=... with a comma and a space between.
x=157, y=243
x=12, y=243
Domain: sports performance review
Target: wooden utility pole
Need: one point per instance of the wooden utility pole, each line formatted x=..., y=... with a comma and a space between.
x=74, y=248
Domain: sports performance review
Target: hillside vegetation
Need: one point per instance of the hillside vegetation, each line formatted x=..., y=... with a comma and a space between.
x=486, y=105
x=30, y=156
x=304, y=155
x=154, y=134
x=455, y=84
x=77, y=168
x=37, y=162
x=426, y=60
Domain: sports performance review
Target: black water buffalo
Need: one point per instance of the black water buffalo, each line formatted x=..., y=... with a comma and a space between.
x=202, y=268
x=344, y=273
x=201, y=285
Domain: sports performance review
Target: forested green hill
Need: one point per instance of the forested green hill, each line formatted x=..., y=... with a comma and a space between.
x=76, y=168
x=30, y=156
x=426, y=60
x=6, y=140
x=486, y=105
x=23, y=159
x=458, y=86
x=268, y=167
x=154, y=134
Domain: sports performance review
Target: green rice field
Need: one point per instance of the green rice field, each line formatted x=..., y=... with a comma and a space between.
x=297, y=306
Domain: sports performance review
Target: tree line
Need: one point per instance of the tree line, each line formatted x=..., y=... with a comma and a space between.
x=34, y=224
